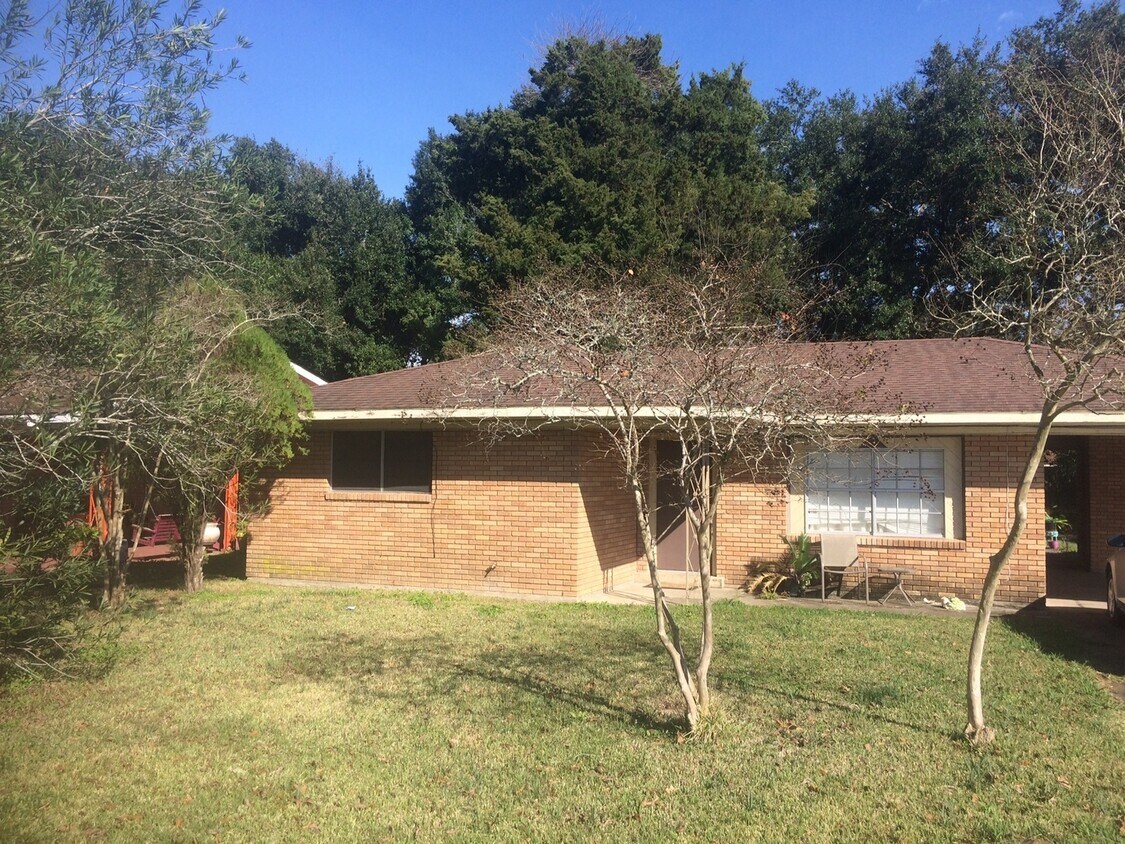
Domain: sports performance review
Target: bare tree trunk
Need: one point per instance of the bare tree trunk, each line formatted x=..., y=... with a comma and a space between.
x=706, y=541
x=109, y=497
x=667, y=631
x=976, y=731
x=707, y=643
x=192, y=549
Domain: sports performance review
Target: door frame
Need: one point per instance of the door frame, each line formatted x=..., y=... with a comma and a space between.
x=653, y=507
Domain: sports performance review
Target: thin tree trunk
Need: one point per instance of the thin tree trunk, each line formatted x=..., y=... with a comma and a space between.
x=706, y=645
x=976, y=730
x=192, y=550
x=109, y=496
x=667, y=631
x=706, y=542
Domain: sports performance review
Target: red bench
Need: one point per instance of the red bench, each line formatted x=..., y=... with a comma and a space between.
x=160, y=540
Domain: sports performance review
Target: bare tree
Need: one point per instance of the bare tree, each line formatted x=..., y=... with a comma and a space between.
x=1060, y=256
x=668, y=360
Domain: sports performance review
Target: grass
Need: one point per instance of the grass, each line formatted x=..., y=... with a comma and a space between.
x=248, y=713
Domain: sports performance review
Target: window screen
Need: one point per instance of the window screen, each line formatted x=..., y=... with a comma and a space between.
x=407, y=461
x=386, y=461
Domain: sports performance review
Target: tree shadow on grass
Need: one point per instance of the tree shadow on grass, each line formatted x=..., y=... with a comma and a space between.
x=1084, y=636
x=873, y=696
x=425, y=673
x=534, y=681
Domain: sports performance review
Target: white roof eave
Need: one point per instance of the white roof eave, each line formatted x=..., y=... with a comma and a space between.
x=1079, y=420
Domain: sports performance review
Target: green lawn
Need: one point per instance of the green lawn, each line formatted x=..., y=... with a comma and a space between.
x=248, y=713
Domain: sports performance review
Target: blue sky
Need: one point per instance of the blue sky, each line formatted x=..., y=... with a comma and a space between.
x=364, y=81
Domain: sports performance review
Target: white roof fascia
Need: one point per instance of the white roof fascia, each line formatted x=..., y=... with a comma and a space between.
x=1113, y=422
x=308, y=376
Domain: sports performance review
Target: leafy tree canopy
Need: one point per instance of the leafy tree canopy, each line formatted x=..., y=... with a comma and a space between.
x=333, y=246
x=603, y=158
x=905, y=181
x=117, y=268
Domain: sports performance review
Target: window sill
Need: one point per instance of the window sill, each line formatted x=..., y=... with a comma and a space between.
x=934, y=542
x=913, y=542
x=380, y=497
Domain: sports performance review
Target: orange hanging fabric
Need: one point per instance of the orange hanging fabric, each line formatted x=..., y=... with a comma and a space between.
x=230, y=512
x=94, y=514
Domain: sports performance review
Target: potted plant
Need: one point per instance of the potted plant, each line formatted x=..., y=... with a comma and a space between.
x=799, y=571
x=1056, y=526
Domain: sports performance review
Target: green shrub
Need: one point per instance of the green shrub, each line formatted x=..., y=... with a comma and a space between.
x=799, y=571
x=45, y=590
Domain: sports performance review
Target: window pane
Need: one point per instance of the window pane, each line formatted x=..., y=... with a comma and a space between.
x=861, y=517
x=817, y=475
x=355, y=459
x=935, y=524
x=907, y=460
x=880, y=491
x=932, y=459
x=408, y=462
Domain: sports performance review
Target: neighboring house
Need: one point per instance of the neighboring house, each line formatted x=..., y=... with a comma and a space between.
x=397, y=490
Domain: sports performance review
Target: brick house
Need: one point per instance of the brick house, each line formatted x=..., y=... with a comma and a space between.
x=395, y=491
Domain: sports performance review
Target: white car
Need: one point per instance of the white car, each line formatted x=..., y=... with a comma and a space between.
x=1115, y=579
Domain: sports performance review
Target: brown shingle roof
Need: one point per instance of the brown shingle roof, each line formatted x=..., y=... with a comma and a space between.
x=931, y=376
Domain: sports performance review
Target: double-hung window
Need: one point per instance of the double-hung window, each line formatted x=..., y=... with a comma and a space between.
x=382, y=461
x=877, y=491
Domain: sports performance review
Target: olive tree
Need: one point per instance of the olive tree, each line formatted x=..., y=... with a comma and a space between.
x=115, y=254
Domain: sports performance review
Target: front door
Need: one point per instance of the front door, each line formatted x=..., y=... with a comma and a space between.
x=676, y=548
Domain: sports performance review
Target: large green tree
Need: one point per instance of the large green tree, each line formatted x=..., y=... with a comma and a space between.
x=900, y=182
x=603, y=158
x=334, y=248
x=111, y=201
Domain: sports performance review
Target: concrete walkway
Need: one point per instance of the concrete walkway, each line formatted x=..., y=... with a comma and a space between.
x=641, y=593
x=1074, y=586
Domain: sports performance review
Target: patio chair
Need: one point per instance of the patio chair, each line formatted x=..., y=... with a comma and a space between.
x=838, y=553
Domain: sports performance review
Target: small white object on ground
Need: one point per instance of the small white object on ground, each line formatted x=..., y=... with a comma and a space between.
x=350, y=608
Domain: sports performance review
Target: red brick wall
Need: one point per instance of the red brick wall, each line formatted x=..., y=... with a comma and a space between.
x=499, y=519
x=607, y=521
x=1107, y=496
x=549, y=515
x=755, y=517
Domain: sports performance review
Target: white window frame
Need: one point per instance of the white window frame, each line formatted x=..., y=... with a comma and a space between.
x=953, y=494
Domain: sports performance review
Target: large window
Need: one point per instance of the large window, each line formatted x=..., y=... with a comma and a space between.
x=897, y=492
x=385, y=461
